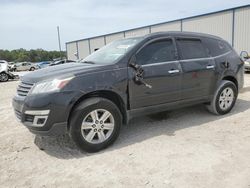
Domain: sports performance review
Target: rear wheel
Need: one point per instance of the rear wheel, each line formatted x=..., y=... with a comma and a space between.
x=4, y=77
x=224, y=98
x=95, y=124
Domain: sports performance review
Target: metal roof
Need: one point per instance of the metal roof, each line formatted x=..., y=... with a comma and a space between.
x=186, y=18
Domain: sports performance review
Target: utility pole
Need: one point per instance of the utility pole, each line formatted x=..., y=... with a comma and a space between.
x=59, y=41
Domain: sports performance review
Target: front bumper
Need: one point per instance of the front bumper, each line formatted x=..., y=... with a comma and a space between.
x=45, y=114
x=56, y=129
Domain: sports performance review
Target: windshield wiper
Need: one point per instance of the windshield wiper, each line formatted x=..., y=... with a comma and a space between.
x=88, y=62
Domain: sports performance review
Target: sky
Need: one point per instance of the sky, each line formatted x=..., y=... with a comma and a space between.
x=32, y=24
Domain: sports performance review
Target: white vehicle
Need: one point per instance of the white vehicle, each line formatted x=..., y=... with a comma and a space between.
x=5, y=75
x=247, y=65
x=246, y=58
x=25, y=66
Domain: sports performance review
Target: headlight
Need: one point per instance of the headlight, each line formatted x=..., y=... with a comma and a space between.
x=50, y=86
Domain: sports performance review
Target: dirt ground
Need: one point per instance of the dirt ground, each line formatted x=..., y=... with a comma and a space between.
x=184, y=148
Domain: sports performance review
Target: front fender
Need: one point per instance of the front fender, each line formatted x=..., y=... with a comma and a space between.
x=111, y=80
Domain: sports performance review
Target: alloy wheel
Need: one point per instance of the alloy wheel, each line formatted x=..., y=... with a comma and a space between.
x=3, y=77
x=226, y=98
x=97, y=126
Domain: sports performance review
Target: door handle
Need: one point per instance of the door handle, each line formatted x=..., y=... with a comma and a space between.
x=173, y=71
x=210, y=67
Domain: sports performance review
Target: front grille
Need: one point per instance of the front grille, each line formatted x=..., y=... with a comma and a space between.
x=18, y=114
x=23, y=89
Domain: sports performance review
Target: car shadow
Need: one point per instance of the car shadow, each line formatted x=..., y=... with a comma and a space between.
x=140, y=129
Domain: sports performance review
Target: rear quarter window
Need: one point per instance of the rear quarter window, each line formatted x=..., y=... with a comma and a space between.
x=216, y=47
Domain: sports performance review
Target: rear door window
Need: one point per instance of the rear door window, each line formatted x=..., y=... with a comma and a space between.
x=191, y=48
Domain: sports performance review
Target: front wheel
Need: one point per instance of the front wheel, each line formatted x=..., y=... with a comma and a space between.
x=32, y=69
x=4, y=77
x=224, y=98
x=95, y=124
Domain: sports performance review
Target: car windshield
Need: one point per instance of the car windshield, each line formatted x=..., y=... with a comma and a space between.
x=112, y=52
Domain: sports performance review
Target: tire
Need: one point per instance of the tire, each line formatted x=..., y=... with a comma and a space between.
x=224, y=98
x=4, y=77
x=90, y=135
x=32, y=69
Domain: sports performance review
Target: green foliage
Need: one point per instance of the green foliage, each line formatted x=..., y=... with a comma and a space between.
x=37, y=55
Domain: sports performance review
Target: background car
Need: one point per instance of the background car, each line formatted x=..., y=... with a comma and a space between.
x=59, y=62
x=11, y=66
x=246, y=58
x=43, y=64
x=247, y=65
x=5, y=75
x=25, y=66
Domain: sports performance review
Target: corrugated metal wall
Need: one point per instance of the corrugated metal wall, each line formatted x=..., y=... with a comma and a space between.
x=83, y=49
x=172, y=26
x=71, y=50
x=219, y=24
x=116, y=36
x=233, y=25
x=96, y=43
x=242, y=30
x=137, y=32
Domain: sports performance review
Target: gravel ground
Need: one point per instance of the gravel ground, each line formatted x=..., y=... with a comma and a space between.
x=184, y=148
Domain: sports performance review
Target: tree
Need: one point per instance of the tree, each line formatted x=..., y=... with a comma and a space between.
x=37, y=55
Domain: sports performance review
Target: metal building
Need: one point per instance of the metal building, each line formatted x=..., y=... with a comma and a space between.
x=232, y=25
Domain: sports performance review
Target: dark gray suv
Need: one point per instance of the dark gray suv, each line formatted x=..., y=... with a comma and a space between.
x=90, y=100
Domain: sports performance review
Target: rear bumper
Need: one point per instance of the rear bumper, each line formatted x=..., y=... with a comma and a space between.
x=240, y=78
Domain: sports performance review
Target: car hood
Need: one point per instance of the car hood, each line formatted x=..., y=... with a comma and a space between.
x=62, y=71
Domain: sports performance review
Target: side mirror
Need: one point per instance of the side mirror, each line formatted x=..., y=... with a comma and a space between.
x=134, y=65
x=244, y=55
x=132, y=62
x=139, y=72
